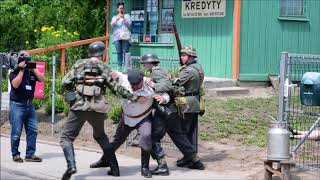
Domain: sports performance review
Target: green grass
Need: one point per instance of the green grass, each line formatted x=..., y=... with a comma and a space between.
x=245, y=120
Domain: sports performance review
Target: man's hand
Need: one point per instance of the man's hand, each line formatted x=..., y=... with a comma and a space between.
x=159, y=98
x=39, y=75
x=149, y=82
x=22, y=66
x=114, y=75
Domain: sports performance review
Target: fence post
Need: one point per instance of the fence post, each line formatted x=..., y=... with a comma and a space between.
x=63, y=61
x=53, y=92
x=1, y=59
x=282, y=86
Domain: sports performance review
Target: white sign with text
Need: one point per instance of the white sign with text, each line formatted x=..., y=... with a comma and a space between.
x=203, y=8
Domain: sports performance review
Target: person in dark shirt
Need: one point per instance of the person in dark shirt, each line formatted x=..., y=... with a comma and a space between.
x=22, y=112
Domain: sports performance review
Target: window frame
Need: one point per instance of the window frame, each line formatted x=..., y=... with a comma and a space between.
x=302, y=18
x=159, y=31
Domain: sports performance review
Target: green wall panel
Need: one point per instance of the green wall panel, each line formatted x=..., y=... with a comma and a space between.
x=212, y=38
x=264, y=37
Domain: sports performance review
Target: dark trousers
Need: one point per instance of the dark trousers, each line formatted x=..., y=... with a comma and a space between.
x=159, y=130
x=189, y=126
x=144, y=130
x=177, y=132
x=74, y=123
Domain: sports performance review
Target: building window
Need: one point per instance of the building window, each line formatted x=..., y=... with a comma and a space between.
x=292, y=8
x=152, y=21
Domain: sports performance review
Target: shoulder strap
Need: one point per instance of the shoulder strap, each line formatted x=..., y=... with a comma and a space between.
x=200, y=72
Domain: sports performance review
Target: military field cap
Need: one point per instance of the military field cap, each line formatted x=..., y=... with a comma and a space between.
x=135, y=76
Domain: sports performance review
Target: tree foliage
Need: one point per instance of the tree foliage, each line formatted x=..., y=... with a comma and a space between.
x=19, y=18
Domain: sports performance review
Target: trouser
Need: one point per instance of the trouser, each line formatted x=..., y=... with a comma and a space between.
x=23, y=114
x=123, y=131
x=189, y=126
x=122, y=47
x=76, y=120
x=179, y=130
x=159, y=129
x=144, y=130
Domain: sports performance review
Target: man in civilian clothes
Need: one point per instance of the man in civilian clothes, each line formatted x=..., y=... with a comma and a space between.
x=22, y=112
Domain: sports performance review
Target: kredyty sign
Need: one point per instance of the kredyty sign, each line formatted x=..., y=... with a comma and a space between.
x=203, y=8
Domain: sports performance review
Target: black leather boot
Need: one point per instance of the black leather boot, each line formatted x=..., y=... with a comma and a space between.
x=102, y=162
x=112, y=160
x=145, y=157
x=114, y=167
x=162, y=168
x=196, y=165
x=71, y=164
x=185, y=161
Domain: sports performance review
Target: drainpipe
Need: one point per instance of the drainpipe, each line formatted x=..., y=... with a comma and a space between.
x=236, y=39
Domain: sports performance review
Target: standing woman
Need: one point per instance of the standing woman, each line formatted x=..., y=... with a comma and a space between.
x=121, y=33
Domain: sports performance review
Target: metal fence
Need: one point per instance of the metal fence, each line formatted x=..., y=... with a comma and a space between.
x=303, y=121
x=169, y=63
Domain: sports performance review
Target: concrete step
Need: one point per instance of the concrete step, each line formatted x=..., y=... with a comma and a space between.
x=213, y=82
x=227, y=91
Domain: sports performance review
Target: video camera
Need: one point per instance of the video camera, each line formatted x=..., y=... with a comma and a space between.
x=12, y=59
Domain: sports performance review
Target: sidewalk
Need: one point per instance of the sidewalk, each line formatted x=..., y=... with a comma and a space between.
x=54, y=165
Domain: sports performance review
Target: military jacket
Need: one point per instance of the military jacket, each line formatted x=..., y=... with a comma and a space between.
x=191, y=78
x=161, y=78
x=92, y=97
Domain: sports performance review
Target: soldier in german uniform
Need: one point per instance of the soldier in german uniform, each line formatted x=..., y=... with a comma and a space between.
x=86, y=83
x=190, y=79
x=160, y=81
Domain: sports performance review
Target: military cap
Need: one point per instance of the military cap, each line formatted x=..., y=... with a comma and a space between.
x=188, y=50
x=135, y=76
x=97, y=49
x=149, y=58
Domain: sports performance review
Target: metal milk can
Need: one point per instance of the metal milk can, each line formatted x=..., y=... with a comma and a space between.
x=278, y=142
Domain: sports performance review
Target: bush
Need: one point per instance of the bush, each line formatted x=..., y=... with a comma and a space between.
x=59, y=105
x=37, y=103
x=115, y=113
x=5, y=80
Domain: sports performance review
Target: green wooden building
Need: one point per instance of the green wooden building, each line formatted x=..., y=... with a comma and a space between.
x=234, y=39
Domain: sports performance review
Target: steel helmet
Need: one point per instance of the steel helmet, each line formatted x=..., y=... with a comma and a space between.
x=188, y=50
x=149, y=58
x=97, y=49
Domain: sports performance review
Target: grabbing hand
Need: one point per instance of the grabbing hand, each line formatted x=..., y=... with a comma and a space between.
x=22, y=65
x=159, y=98
x=149, y=82
x=114, y=75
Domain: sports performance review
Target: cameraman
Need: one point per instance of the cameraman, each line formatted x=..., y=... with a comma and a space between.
x=22, y=112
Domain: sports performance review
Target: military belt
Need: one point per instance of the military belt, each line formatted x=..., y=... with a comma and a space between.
x=146, y=112
x=192, y=94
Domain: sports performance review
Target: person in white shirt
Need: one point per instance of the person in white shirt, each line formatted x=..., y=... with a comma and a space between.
x=121, y=35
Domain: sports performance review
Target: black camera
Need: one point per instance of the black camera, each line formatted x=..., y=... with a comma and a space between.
x=12, y=59
x=27, y=60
